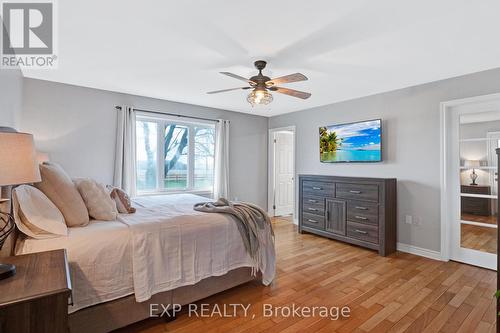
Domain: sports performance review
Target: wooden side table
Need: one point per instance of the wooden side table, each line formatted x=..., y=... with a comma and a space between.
x=36, y=298
x=476, y=206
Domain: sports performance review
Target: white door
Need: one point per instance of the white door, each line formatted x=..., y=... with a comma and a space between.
x=471, y=192
x=283, y=173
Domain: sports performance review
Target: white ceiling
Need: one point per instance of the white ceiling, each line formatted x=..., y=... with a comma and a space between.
x=174, y=49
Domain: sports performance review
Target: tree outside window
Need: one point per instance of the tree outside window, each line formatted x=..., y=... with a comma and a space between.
x=186, y=153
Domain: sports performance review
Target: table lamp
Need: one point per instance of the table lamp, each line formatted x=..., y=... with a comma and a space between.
x=472, y=164
x=18, y=165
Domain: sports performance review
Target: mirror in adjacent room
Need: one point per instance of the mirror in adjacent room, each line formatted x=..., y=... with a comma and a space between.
x=479, y=137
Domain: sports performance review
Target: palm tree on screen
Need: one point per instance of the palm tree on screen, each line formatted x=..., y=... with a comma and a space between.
x=329, y=142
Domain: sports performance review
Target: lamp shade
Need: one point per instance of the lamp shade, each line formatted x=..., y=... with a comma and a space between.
x=471, y=164
x=18, y=162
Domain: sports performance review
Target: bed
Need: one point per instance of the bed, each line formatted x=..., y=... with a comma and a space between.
x=164, y=253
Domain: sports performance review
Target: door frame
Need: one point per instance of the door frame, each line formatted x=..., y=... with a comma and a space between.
x=445, y=151
x=492, y=157
x=270, y=170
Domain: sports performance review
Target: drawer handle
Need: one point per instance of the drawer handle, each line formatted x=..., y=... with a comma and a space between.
x=317, y=188
x=355, y=192
x=312, y=209
x=361, y=232
x=361, y=208
x=312, y=221
x=313, y=201
x=361, y=217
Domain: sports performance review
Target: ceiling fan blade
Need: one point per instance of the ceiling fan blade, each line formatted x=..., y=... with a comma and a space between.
x=288, y=79
x=224, y=90
x=291, y=92
x=234, y=76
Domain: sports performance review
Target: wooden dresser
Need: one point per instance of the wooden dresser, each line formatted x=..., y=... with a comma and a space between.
x=476, y=206
x=360, y=211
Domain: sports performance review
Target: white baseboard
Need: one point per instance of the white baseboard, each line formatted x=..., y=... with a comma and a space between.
x=419, y=251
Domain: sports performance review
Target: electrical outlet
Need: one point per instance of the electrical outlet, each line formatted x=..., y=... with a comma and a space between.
x=408, y=219
x=418, y=220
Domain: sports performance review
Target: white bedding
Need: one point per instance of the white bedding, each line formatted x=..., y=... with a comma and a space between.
x=164, y=245
x=174, y=246
x=99, y=257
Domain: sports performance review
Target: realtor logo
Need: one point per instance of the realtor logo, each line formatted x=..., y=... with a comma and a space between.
x=28, y=35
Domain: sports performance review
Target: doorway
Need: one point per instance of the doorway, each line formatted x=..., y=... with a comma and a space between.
x=281, y=195
x=470, y=134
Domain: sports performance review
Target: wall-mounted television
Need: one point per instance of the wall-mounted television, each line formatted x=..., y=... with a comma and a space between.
x=352, y=142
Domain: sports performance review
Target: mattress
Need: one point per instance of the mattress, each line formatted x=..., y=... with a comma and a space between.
x=163, y=246
x=99, y=257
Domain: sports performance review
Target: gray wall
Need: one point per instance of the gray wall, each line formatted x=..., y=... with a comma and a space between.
x=77, y=126
x=11, y=89
x=477, y=150
x=479, y=129
x=411, y=145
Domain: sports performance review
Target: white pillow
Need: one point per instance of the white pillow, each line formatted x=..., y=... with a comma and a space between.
x=35, y=215
x=99, y=204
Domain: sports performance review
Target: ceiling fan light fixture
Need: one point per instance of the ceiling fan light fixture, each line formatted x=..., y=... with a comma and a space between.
x=261, y=84
x=259, y=96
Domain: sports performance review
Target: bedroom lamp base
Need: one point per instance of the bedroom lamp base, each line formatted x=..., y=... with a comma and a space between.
x=7, y=270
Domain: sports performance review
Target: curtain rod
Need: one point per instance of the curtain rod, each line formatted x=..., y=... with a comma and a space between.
x=170, y=114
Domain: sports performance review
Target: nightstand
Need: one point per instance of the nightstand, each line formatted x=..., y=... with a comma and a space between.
x=36, y=298
x=473, y=205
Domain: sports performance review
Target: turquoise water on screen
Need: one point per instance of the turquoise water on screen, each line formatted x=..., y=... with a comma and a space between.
x=352, y=156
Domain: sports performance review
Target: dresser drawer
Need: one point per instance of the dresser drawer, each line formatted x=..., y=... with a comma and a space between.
x=313, y=221
x=475, y=189
x=362, y=212
x=363, y=232
x=477, y=206
x=313, y=205
x=313, y=209
x=318, y=188
x=357, y=191
x=312, y=200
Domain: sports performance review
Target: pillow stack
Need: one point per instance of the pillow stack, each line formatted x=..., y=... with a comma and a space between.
x=58, y=202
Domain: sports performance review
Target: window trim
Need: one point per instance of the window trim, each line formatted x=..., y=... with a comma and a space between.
x=161, y=123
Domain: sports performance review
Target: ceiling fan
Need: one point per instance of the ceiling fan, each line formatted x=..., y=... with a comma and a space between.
x=262, y=84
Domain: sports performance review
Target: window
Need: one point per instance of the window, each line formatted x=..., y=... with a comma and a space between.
x=174, y=155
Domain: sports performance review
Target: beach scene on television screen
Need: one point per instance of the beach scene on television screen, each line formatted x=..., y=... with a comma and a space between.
x=356, y=142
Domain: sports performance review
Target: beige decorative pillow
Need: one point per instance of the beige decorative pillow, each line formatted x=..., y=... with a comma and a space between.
x=96, y=198
x=35, y=215
x=59, y=188
x=122, y=200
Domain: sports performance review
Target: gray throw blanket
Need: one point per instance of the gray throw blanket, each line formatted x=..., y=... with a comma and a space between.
x=253, y=224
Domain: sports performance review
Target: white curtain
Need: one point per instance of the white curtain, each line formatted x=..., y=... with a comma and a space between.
x=125, y=169
x=221, y=181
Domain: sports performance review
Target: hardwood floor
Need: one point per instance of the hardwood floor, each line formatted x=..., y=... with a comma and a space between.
x=400, y=293
x=478, y=238
x=491, y=219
